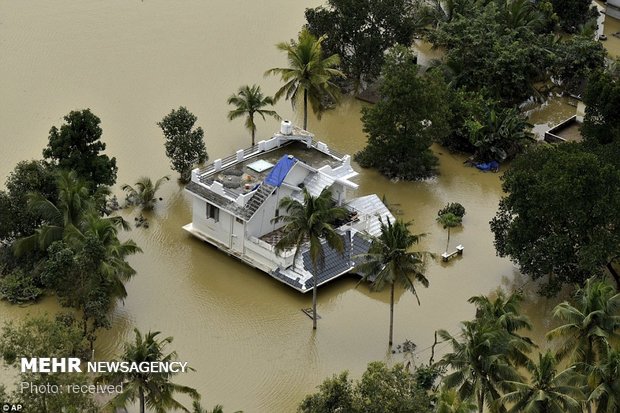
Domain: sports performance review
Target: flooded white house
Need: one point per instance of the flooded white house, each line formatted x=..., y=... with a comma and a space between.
x=235, y=201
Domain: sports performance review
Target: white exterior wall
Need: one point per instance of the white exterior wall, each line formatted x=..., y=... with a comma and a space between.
x=261, y=224
x=220, y=231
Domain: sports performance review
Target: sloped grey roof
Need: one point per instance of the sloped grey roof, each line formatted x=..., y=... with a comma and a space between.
x=315, y=183
x=335, y=262
x=372, y=206
x=215, y=199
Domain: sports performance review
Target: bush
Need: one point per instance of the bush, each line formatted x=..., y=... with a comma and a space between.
x=452, y=208
x=18, y=287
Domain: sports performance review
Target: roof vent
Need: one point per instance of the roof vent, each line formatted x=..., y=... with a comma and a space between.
x=286, y=127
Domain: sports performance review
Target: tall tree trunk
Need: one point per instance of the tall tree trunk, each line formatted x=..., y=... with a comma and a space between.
x=314, y=300
x=253, y=129
x=391, y=313
x=448, y=243
x=141, y=393
x=614, y=274
x=305, y=109
x=480, y=402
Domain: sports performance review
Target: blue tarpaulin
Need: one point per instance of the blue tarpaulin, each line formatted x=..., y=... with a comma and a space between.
x=279, y=172
x=488, y=166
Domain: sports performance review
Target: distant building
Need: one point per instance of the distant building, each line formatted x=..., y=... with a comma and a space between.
x=236, y=198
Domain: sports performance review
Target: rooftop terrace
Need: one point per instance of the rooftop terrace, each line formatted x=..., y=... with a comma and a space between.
x=241, y=177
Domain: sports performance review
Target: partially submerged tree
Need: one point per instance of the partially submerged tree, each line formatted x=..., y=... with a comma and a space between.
x=412, y=113
x=249, y=101
x=143, y=195
x=311, y=222
x=380, y=390
x=42, y=336
x=77, y=146
x=154, y=390
x=184, y=144
x=310, y=75
x=390, y=261
x=361, y=31
x=559, y=219
x=448, y=220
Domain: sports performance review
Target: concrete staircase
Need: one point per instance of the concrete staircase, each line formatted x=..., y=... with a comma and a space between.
x=261, y=194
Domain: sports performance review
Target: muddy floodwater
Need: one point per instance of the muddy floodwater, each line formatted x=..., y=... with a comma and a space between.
x=131, y=62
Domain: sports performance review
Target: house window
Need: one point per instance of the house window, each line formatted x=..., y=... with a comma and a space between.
x=213, y=212
x=239, y=220
x=277, y=212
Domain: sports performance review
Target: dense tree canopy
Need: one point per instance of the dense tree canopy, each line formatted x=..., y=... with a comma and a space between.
x=380, y=390
x=572, y=13
x=45, y=337
x=412, y=113
x=28, y=176
x=559, y=219
x=184, y=144
x=602, y=98
x=77, y=146
x=361, y=31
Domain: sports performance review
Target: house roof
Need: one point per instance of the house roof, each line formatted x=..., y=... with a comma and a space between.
x=372, y=208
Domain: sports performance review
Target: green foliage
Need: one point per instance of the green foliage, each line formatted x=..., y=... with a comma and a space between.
x=572, y=13
x=483, y=53
x=77, y=146
x=547, y=391
x=380, y=390
x=453, y=208
x=590, y=324
x=577, y=58
x=143, y=195
x=184, y=144
x=559, y=219
x=361, y=31
x=311, y=222
x=449, y=220
x=44, y=337
x=464, y=106
x=604, y=379
x=197, y=408
x=412, y=113
x=499, y=135
x=28, y=176
x=249, y=101
x=389, y=261
x=448, y=401
x=17, y=287
x=153, y=390
x=310, y=75
x=601, y=123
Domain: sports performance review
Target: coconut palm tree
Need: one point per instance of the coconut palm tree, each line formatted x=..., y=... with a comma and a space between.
x=144, y=192
x=478, y=362
x=504, y=311
x=548, y=390
x=604, y=378
x=449, y=401
x=389, y=261
x=311, y=222
x=249, y=101
x=589, y=325
x=449, y=221
x=309, y=75
x=153, y=390
x=197, y=408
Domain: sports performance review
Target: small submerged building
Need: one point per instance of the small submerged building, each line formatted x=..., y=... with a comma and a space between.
x=235, y=201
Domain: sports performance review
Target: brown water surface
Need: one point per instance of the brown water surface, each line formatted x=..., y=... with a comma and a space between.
x=131, y=62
